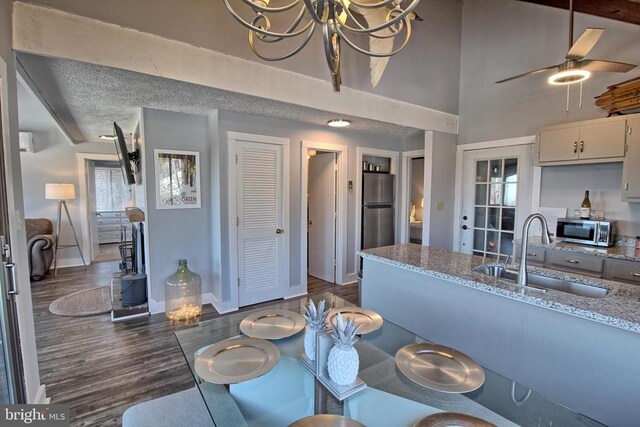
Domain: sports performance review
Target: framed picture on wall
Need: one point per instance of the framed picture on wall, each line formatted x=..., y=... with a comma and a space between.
x=177, y=179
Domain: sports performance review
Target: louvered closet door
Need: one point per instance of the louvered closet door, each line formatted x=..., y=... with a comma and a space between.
x=260, y=222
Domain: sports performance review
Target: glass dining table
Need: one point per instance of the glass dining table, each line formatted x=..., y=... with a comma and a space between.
x=290, y=391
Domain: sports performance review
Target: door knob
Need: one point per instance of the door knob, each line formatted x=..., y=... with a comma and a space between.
x=279, y=231
x=464, y=227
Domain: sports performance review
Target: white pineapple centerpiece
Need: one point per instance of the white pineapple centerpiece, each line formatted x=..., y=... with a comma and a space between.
x=343, y=361
x=316, y=321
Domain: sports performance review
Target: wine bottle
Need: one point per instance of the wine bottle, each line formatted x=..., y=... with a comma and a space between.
x=585, y=208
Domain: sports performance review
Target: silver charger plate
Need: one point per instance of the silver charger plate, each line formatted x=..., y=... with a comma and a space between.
x=439, y=368
x=446, y=419
x=236, y=360
x=326, y=420
x=272, y=324
x=370, y=320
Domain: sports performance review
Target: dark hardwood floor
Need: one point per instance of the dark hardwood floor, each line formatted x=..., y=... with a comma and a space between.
x=100, y=368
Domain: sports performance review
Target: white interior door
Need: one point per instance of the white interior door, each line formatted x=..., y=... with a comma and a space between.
x=496, y=198
x=261, y=230
x=92, y=209
x=322, y=216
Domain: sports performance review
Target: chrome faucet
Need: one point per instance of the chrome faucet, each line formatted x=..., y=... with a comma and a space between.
x=522, y=270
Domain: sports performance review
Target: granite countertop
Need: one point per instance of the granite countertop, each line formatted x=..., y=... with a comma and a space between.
x=620, y=308
x=628, y=253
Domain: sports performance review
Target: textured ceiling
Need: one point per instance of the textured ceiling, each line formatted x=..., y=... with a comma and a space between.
x=86, y=99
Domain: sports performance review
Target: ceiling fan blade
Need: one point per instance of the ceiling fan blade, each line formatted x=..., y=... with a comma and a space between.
x=585, y=43
x=610, y=66
x=527, y=74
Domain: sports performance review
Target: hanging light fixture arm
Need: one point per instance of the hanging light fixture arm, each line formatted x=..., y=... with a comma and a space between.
x=386, y=20
x=278, y=58
x=374, y=54
x=400, y=17
x=259, y=30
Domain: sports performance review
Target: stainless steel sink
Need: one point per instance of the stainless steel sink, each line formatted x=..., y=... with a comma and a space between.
x=537, y=281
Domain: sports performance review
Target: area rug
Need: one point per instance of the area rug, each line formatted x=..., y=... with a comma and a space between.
x=83, y=303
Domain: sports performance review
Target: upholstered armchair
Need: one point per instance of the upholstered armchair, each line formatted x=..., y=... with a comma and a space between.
x=41, y=244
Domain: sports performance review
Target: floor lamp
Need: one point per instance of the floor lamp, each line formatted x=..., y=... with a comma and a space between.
x=62, y=193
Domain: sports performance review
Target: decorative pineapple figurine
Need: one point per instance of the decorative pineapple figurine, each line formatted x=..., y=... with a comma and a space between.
x=343, y=361
x=316, y=321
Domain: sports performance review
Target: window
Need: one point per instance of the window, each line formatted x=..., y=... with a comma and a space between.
x=112, y=194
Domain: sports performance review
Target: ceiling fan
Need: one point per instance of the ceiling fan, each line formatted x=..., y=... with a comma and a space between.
x=576, y=68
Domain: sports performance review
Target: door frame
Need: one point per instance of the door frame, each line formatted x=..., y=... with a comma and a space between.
x=233, y=138
x=405, y=193
x=85, y=211
x=393, y=169
x=342, y=155
x=536, y=180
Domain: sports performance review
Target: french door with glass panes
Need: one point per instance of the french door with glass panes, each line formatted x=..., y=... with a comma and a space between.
x=496, y=199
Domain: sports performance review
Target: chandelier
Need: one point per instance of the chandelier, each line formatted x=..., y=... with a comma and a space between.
x=341, y=21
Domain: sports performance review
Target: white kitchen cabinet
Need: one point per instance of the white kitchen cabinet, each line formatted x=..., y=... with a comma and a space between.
x=535, y=255
x=631, y=168
x=592, y=141
x=623, y=271
x=110, y=227
x=558, y=144
x=572, y=262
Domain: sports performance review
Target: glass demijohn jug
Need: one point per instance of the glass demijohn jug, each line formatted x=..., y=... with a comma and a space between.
x=183, y=293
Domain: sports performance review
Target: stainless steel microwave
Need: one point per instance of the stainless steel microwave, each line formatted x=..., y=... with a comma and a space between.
x=586, y=232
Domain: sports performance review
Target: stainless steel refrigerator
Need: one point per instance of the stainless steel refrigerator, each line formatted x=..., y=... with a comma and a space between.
x=378, y=225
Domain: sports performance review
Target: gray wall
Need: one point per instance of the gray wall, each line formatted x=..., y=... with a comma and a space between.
x=296, y=132
x=177, y=233
x=442, y=182
x=425, y=73
x=564, y=186
x=14, y=208
x=501, y=38
x=54, y=160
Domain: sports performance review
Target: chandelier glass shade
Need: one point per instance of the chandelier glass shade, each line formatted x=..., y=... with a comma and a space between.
x=376, y=22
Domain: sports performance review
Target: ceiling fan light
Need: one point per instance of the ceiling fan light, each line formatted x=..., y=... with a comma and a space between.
x=568, y=77
x=339, y=123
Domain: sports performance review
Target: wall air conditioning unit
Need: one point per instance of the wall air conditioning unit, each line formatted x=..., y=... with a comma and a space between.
x=26, y=142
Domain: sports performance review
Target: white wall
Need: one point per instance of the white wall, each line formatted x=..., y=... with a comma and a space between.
x=177, y=233
x=424, y=73
x=54, y=160
x=564, y=187
x=442, y=184
x=502, y=38
x=34, y=391
x=296, y=132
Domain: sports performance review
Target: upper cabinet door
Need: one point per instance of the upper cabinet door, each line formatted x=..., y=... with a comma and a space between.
x=631, y=173
x=602, y=140
x=559, y=145
x=591, y=141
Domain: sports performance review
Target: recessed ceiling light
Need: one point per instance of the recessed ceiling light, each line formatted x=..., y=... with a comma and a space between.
x=568, y=77
x=339, y=123
x=107, y=137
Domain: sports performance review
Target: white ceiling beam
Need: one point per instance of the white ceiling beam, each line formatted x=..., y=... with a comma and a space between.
x=49, y=32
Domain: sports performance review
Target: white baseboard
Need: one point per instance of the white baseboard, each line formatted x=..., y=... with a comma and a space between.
x=295, y=291
x=158, y=306
x=221, y=307
x=155, y=306
x=350, y=278
x=295, y=295
x=68, y=262
x=41, y=397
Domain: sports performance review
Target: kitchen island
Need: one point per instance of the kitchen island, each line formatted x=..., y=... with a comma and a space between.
x=581, y=352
